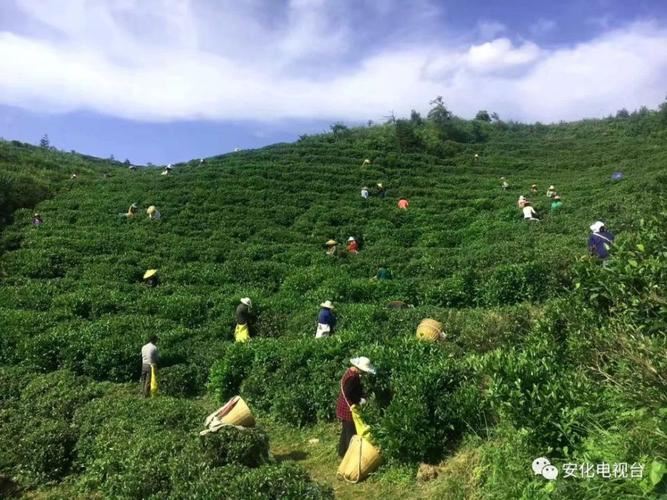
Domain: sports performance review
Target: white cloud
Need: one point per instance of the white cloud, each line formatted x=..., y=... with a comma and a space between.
x=167, y=60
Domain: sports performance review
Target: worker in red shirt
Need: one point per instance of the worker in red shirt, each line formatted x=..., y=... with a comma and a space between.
x=352, y=245
x=403, y=204
x=351, y=393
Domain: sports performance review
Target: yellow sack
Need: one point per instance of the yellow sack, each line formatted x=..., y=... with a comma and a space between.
x=153, y=380
x=361, y=459
x=363, y=429
x=241, y=334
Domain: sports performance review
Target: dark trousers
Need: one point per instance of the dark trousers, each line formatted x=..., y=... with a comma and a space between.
x=146, y=380
x=347, y=431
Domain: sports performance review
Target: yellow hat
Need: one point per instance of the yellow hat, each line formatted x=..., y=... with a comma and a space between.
x=151, y=210
x=150, y=273
x=331, y=242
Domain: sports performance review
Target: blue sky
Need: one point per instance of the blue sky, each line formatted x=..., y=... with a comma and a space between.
x=170, y=80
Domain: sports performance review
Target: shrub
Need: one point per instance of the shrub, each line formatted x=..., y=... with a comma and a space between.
x=249, y=447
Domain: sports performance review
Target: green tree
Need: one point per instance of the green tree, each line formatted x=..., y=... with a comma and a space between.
x=439, y=113
x=44, y=142
x=662, y=111
x=406, y=138
x=416, y=118
x=483, y=116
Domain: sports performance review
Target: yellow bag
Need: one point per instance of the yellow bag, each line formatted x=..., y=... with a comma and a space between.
x=361, y=459
x=363, y=429
x=241, y=333
x=153, y=380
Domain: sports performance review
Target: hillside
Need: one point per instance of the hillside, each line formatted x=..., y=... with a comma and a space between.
x=548, y=353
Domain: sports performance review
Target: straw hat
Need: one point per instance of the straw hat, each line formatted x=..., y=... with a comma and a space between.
x=533, y=185
x=246, y=301
x=556, y=197
x=596, y=226
x=331, y=243
x=36, y=214
x=351, y=238
x=379, y=184
x=327, y=304
x=364, y=364
x=522, y=198
x=365, y=188
x=151, y=210
x=134, y=205
x=552, y=187
x=150, y=273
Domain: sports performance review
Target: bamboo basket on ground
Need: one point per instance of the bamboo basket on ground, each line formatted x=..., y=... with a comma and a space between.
x=361, y=459
x=234, y=412
x=429, y=330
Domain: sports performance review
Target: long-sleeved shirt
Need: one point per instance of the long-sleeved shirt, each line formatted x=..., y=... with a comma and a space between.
x=351, y=392
x=242, y=314
x=353, y=247
x=529, y=213
x=599, y=243
x=326, y=317
x=149, y=354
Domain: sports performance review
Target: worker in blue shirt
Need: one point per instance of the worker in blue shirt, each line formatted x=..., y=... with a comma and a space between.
x=326, y=320
x=600, y=240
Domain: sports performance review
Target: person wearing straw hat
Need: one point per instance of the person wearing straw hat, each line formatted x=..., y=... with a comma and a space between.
x=365, y=162
x=243, y=317
x=167, y=170
x=403, y=204
x=551, y=192
x=132, y=211
x=383, y=274
x=522, y=201
x=37, y=219
x=556, y=203
x=326, y=320
x=331, y=247
x=381, y=191
x=505, y=185
x=364, y=193
x=149, y=359
x=153, y=213
x=351, y=393
x=150, y=278
x=533, y=188
x=352, y=245
x=600, y=240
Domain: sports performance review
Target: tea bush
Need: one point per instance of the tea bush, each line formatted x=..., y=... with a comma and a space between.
x=542, y=342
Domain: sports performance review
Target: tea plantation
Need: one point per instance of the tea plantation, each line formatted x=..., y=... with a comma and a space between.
x=548, y=353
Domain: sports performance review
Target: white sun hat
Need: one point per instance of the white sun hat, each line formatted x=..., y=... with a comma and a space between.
x=246, y=301
x=364, y=364
x=327, y=304
x=596, y=226
x=351, y=238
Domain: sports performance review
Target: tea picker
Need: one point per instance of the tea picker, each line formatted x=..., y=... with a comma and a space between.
x=529, y=212
x=556, y=203
x=533, y=188
x=151, y=278
x=37, y=219
x=149, y=359
x=351, y=393
x=243, y=317
x=331, y=247
x=381, y=190
x=352, y=245
x=403, y=204
x=326, y=320
x=505, y=185
x=551, y=192
x=167, y=170
x=383, y=274
x=600, y=240
x=153, y=213
x=364, y=193
x=132, y=211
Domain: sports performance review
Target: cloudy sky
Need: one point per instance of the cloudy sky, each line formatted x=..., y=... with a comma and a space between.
x=170, y=80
